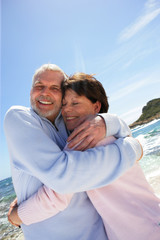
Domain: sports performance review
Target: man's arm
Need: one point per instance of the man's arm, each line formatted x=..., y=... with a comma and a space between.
x=36, y=154
x=44, y=203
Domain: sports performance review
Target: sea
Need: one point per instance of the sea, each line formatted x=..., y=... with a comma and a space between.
x=149, y=137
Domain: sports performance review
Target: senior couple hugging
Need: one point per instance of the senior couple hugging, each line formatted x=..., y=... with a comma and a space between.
x=74, y=166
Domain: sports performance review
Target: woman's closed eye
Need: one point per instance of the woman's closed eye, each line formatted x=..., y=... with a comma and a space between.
x=75, y=103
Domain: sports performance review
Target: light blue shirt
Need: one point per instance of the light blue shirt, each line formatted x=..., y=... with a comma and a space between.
x=36, y=155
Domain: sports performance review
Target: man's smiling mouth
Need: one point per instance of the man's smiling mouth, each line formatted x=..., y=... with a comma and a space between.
x=46, y=103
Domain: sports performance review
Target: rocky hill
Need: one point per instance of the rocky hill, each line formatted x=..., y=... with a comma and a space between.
x=149, y=112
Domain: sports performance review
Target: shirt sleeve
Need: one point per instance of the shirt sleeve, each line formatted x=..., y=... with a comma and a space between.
x=42, y=205
x=33, y=152
x=115, y=126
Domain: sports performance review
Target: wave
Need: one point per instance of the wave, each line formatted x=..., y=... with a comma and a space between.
x=145, y=125
x=153, y=128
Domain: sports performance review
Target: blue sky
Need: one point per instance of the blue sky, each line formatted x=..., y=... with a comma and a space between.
x=118, y=40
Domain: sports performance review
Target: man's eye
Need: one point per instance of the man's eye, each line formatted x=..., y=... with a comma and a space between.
x=38, y=87
x=64, y=104
x=55, y=89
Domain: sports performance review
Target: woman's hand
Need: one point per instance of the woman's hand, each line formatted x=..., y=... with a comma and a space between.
x=13, y=217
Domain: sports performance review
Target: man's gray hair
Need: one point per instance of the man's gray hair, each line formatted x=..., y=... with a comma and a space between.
x=50, y=67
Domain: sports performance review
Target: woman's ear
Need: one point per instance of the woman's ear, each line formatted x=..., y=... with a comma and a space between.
x=97, y=107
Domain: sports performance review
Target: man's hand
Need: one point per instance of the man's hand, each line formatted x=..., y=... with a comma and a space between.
x=13, y=217
x=88, y=134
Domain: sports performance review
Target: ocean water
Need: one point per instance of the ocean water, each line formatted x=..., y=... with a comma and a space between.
x=7, y=195
x=148, y=135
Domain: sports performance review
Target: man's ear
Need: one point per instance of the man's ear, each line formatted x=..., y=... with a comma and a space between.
x=97, y=107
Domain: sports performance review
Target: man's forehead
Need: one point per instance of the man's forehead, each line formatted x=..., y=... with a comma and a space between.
x=49, y=76
x=41, y=82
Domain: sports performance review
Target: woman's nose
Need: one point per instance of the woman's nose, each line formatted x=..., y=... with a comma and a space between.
x=66, y=108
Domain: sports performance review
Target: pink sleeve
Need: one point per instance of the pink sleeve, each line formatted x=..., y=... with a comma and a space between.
x=42, y=205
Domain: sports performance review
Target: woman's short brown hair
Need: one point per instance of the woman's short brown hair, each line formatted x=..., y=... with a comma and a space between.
x=88, y=86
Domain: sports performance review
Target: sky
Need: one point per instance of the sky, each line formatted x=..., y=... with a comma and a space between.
x=118, y=40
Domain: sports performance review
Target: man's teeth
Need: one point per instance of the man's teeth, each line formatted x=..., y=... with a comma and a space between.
x=45, y=102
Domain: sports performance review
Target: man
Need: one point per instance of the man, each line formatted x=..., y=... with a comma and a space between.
x=36, y=138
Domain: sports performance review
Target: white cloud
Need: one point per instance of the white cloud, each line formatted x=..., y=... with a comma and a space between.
x=152, y=78
x=132, y=111
x=132, y=115
x=79, y=60
x=127, y=90
x=150, y=4
x=124, y=57
x=151, y=11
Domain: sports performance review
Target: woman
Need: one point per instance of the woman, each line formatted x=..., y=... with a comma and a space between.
x=128, y=206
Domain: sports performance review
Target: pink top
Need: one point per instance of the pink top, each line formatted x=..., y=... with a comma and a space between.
x=129, y=208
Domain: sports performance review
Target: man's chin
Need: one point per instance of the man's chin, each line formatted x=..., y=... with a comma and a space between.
x=43, y=113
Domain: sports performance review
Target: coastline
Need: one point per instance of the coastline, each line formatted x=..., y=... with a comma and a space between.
x=135, y=124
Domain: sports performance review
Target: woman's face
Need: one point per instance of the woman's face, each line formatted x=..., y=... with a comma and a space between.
x=75, y=108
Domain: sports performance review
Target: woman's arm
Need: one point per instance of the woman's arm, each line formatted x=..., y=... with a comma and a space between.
x=42, y=205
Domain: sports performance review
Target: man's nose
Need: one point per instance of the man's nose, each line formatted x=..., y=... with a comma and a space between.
x=45, y=91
